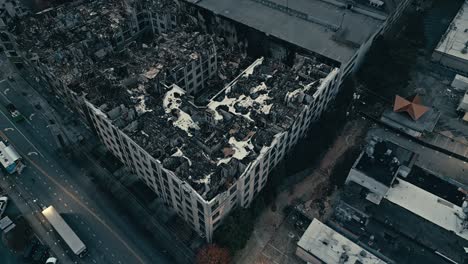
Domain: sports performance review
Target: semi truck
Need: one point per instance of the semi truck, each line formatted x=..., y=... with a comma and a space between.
x=64, y=230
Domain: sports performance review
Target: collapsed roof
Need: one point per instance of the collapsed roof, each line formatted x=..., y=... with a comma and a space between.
x=206, y=144
x=210, y=146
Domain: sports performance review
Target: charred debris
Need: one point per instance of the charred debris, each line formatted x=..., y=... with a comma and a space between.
x=207, y=138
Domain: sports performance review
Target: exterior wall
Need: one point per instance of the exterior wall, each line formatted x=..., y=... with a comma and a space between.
x=367, y=182
x=455, y=63
x=193, y=76
x=356, y=61
x=362, y=179
x=307, y=257
x=162, y=23
x=205, y=216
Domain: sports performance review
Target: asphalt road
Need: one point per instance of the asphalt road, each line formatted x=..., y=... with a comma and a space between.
x=52, y=179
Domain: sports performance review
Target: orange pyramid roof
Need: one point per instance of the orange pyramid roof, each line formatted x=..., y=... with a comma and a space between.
x=412, y=106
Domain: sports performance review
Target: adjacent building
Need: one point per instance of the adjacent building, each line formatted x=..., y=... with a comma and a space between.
x=339, y=31
x=452, y=50
x=412, y=215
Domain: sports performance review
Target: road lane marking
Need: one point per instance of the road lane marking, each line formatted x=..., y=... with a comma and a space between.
x=79, y=202
x=20, y=133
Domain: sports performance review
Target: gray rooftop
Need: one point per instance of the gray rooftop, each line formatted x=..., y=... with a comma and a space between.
x=398, y=233
x=453, y=42
x=323, y=27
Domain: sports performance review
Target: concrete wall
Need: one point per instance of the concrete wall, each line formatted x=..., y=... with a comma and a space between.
x=457, y=64
x=307, y=257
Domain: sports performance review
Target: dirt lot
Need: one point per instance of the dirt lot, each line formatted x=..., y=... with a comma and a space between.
x=274, y=239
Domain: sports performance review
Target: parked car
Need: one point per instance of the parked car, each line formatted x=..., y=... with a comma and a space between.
x=15, y=114
x=3, y=204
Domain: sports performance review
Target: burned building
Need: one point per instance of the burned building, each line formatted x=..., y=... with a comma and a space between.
x=200, y=124
x=62, y=45
x=204, y=160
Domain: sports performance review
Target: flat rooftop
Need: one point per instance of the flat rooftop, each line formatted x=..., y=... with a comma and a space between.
x=395, y=231
x=331, y=247
x=453, y=42
x=324, y=27
x=430, y=207
x=437, y=163
x=382, y=160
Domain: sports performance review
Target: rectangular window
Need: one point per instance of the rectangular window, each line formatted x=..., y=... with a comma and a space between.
x=233, y=189
x=215, y=215
x=200, y=206
x=247, y=180
x=215, y=206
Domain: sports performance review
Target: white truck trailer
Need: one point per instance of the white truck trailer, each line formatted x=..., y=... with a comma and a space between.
x=64, y=230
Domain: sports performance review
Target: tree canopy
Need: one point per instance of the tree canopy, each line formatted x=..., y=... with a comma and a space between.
x=213, y=254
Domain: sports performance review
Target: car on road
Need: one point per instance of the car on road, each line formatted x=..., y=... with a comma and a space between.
x=15, y=114
x=3, y=204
